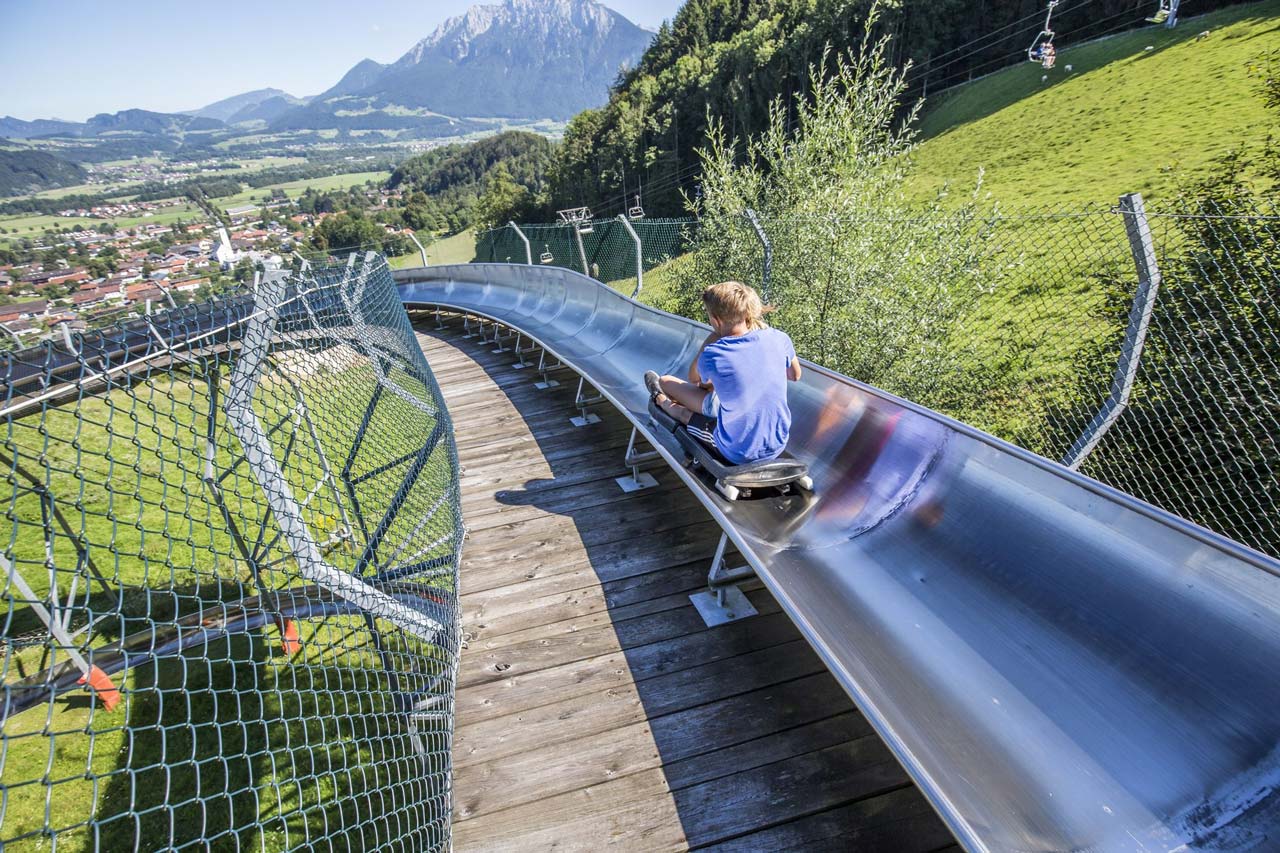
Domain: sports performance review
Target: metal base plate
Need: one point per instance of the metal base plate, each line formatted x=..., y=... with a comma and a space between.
x=580, y=421
x=635, y=484
x=519, y=365
x=736, y=606
x=550, y=383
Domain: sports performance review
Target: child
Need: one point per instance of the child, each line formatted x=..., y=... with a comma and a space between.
x=736, y=396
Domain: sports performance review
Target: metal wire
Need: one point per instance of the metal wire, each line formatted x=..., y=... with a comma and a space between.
x=231, y=592
x=1017, y=322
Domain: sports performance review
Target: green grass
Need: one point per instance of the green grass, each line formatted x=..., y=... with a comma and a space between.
x=1124, y=120
x=35, y=225
x=293, y=189
x=282, y=745
x=17, y=227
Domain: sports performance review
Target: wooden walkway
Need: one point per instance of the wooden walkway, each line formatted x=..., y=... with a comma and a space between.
x=594, y=708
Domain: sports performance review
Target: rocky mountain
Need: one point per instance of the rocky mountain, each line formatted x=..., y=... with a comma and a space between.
x=517, y=59
x=228, y=108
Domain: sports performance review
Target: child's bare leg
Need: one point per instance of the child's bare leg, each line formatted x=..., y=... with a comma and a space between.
x=684, y=393
x=671, y=407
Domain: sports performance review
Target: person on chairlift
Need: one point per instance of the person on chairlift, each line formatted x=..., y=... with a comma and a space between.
x=735, y=399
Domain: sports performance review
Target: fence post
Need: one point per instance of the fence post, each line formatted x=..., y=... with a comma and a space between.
x=626, y=223
x=582, y=250
x=768, y=252
x=421, y=250
x=1143, y=249
x=528, y=251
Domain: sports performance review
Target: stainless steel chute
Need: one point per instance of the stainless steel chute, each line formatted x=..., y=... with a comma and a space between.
x=1057, y=664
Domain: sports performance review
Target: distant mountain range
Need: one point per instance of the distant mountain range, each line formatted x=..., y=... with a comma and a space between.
x=521, y=59
x=248, y=106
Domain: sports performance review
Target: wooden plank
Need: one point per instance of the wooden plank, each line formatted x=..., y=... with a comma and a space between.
x=900, y=821
x=588, y=676
x=610, y=814
x=594, y=707
x=536, y=547
x=629, y=702
x=545, y=601
x=521, y=653
x=513, y=776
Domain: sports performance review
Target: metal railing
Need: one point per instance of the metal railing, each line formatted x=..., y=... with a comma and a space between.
x=231, y=572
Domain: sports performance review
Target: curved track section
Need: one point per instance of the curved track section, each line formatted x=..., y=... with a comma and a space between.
x=1058, y=665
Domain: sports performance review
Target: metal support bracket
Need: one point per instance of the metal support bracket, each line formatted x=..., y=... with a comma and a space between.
x=519, y=350
x=497, y=339
x=634, y=459
x=581, y=403
x=466, y=326
x=543, y=369
x=723, y=601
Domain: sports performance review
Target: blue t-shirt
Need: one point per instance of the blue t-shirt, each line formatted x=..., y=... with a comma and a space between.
x=750, y=377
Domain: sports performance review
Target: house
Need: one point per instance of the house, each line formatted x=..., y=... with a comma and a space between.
x=142, y=291
x=184, y=285
x=24, y=310
x=82, y=299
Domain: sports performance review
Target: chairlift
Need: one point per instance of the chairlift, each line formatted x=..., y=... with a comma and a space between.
x=636, y=211
x=578, y=217
x=546, y=257
x=1042, y=52
x=1167, y=9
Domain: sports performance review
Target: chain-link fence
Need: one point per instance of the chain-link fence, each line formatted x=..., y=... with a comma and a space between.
x=1137, y=345
x=232, y=550
x=604, y=250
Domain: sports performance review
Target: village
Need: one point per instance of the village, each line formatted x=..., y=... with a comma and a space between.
x=197, y=259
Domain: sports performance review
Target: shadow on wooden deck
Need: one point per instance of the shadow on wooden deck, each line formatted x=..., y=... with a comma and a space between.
x=594, y=706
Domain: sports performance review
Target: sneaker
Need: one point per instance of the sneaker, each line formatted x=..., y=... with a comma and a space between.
x=652, y=382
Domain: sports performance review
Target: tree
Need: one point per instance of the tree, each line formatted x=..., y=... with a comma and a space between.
x=865, y=283
x=344, y=233
x=502, y=201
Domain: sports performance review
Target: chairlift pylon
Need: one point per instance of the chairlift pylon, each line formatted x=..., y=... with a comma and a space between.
x=1042, y=52
x=636, y=211
x=578, y=217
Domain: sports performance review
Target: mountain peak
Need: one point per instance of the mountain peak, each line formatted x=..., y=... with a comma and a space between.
x=511, y=59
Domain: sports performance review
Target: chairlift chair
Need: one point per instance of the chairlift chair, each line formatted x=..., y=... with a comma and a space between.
x=1042, y=52
x=546, y=257
x=636, y=211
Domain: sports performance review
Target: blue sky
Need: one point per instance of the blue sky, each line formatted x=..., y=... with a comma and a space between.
x=74, y=58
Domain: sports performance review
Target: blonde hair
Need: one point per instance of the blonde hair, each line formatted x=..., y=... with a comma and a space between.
x=734, y=302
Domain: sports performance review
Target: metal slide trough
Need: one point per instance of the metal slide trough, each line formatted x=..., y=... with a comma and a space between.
x=1057, y=664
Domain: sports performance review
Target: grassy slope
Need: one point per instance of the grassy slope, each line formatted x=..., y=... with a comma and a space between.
x=1115, y=124
x=458, y=248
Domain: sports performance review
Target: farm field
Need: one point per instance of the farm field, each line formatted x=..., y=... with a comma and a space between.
x=295, y=188
x=18, y=227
